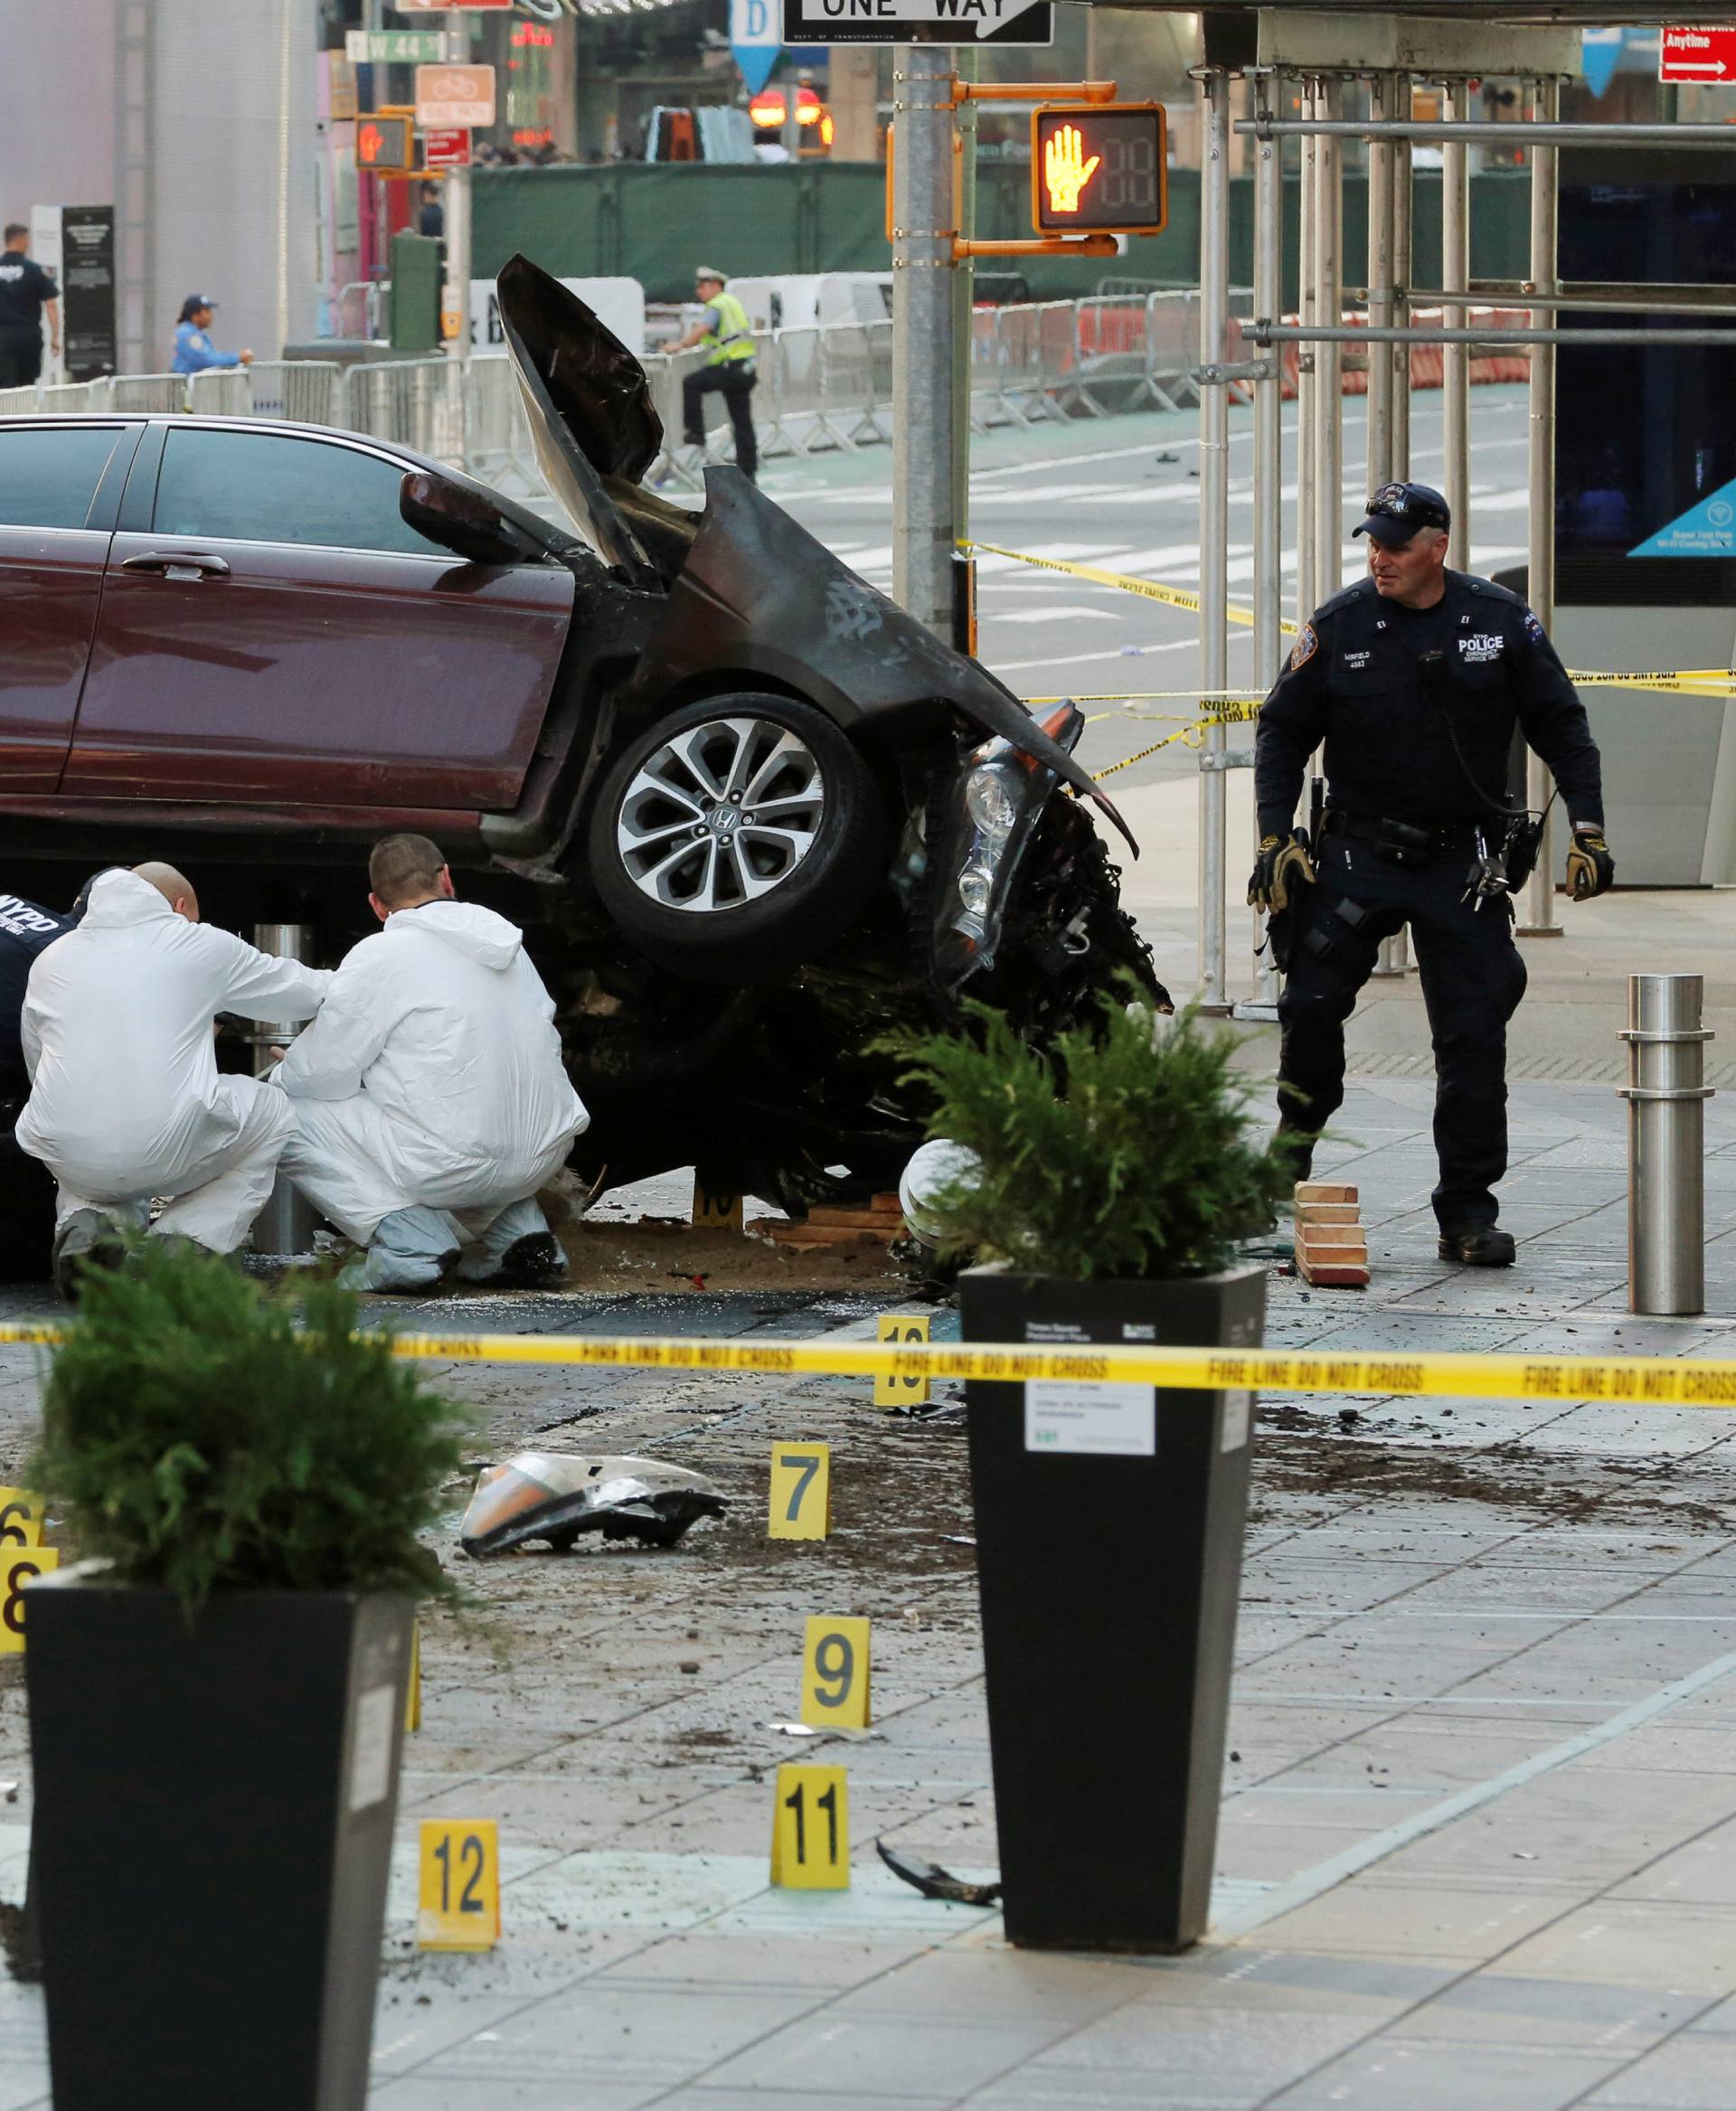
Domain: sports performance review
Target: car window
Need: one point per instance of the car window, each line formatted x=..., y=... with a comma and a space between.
x=266, y=488
x=49, y=474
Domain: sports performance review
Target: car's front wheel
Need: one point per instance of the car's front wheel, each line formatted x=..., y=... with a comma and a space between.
x=739, y=837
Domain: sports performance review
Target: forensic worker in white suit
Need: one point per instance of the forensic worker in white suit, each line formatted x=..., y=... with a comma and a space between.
x=126, y=1102
x=431, y=1100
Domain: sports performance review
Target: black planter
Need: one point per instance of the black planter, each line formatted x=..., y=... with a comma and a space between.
x=1109, y=1580
x=212, y=1841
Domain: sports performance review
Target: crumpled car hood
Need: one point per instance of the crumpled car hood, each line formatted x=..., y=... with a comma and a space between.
x=760, y=593
x=544, y=1495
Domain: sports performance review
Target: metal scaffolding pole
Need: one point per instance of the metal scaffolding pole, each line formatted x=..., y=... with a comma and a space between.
x=1537, y=917
x=1403, y=303
x=1456, y=358
x=1214, y=521
x=1308, y=308
x=924, y=529
x=1329, y=361
x=1269, y=447
x=1389, y=365
x=1287, y=334
x=1383, y=98
x=1424, y=129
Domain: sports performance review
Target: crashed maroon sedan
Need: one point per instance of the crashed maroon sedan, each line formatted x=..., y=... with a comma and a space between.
x=750, y=813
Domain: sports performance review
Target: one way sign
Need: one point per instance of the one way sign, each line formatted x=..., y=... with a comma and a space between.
x=891, y=21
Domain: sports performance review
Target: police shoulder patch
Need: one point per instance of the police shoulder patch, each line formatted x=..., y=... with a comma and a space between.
x=1306, y=646
x=1534, y=629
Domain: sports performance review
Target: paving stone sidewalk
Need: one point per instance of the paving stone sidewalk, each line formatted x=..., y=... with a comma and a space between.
x=1479, y=1832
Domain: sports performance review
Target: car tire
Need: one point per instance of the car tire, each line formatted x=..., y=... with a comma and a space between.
x=748, y=897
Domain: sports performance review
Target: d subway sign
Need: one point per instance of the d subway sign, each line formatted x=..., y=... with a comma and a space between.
x=891, y=21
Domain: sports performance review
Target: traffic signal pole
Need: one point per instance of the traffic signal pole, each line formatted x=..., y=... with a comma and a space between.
x=925, y=520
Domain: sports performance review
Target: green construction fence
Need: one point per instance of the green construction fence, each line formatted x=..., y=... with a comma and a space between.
x=653, y=222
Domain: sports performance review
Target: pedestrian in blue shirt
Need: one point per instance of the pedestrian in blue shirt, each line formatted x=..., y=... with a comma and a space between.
x=194, y=350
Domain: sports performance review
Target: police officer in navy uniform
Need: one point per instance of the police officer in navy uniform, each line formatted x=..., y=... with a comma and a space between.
x=1414, y=679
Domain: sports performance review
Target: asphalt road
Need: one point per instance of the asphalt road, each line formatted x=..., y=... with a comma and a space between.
x=1123, y=493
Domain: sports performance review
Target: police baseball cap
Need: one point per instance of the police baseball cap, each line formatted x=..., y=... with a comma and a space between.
x=1397, y=511
x=193, y=304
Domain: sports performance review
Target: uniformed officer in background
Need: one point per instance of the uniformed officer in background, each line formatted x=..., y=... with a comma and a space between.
x=730, y=366
x=1414, y=679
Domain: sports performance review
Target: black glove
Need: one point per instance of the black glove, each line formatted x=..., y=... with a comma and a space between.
x=1282, y=866
x=1590, y=869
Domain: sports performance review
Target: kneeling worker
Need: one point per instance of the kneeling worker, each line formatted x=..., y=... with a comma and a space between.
x=126, y=1102
x=431, y=1098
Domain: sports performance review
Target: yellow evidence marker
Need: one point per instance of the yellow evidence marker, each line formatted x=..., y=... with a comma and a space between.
x=835, y=1675
x=902, y=1392
x=458, y=1898
x=810, y=1830
x=21, y=1518
x=15, y=1571
x=413, y=1690
x=801, y=1491
x=715, y=1212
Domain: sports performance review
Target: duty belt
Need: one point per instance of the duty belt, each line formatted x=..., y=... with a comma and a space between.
x=1422, y=836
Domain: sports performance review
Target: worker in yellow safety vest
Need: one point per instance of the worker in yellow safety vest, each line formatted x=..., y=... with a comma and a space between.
x=729, y=366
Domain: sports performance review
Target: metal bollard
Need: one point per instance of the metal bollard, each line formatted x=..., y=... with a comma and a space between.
x=286, y=1224
x=1666, y=1238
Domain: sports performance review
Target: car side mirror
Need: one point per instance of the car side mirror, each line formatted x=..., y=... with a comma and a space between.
x=462, y=520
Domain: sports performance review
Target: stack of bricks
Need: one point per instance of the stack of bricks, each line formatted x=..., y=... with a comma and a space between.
x=877, y=1222
x=1331, y=1246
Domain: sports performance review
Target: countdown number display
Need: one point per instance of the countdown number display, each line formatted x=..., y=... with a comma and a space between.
x=1099, y=168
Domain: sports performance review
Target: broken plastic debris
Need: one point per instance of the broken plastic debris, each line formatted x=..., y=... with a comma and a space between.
x=539, y=1495
x=935, y=1882
x=794, y=1729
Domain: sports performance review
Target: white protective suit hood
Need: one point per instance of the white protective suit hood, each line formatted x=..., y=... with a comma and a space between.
x=475, y=932
x=441, y=1024
x=117, y=1031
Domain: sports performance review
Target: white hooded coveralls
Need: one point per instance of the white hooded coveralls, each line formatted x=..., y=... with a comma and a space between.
x=125, y=1101
x=432, y=1076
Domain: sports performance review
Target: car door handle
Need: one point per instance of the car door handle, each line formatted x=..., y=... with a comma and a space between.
x=176, y=564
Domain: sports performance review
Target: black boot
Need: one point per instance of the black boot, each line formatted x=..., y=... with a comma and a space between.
x=1478, y=1245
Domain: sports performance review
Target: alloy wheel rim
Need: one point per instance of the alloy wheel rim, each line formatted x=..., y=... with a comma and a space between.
x=720, y=814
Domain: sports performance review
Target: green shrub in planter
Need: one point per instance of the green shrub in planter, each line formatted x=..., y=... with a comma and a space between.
x=216, y=1705
x=1127, y=1150
x=1116, y=1176
x=203, y=1434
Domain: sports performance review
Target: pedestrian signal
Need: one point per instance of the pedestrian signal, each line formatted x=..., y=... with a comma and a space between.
x=1099, y=168
x=385, y=145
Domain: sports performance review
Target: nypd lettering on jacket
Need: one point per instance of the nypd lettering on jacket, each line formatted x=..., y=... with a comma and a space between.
x=1417, y=707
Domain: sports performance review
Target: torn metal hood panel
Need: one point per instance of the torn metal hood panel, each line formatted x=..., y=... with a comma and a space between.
x=759, y=592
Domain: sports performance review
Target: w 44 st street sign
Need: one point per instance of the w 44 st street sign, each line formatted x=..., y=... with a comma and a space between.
x=891, y=21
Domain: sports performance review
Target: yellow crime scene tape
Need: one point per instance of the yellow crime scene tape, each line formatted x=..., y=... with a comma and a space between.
x=1638, y=1381
x=1717, y=684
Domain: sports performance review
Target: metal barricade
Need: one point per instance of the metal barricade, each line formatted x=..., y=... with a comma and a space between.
x=1172, y=348
x=1111, y=372
x=148, y=392
x=856, y=365
x=304, y=392
x=60, y=397
x=407, y=401
x=497, y=447
x=222, y=392
x=20, y=402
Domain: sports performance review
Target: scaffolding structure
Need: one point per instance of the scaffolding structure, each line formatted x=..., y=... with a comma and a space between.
x=1318, y=74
